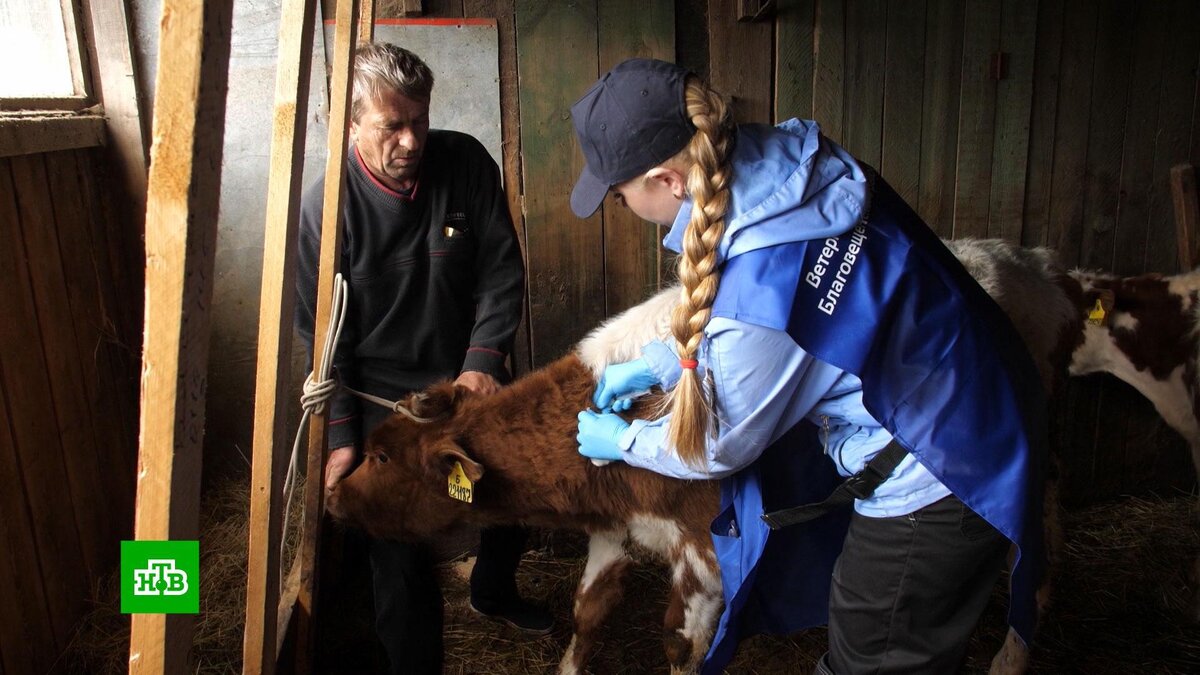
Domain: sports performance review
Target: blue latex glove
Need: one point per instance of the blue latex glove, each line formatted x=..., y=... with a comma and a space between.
x=599, y=434
x=620, y=381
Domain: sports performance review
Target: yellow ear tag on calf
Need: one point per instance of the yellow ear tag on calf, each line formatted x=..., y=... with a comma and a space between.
x=461, y=487
x=1101, y=314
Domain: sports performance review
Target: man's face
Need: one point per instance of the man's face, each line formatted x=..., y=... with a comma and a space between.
x=390, y=135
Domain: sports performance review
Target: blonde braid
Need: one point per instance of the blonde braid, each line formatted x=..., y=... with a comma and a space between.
x=708, y=179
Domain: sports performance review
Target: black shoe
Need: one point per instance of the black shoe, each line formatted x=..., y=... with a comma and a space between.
x=519, y=614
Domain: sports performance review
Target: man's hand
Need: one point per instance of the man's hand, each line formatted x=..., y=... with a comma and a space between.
x=338, y=465
x=480, y=383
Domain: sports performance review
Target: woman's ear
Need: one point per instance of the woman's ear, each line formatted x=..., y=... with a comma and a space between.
x=670, y=179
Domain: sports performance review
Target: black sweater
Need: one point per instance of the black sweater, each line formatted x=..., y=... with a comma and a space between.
x=436, y=278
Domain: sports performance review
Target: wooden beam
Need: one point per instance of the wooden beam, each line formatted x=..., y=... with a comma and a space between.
x=1187, y=214
x=181, y=232
x=366, y=22
x=114, y=83
x=277, y=304
x=30, y=135
x=344, y=39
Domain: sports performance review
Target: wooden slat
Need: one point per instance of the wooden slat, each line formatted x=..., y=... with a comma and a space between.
x=862, y=121
x=1172, y=142
x=830, y=59
x=1071, y=129
x=34, y=428
x=29, y=135
x=691, y=35
x=739, y=64
x=25, y=625
x=504, y=12
x=181, y=229
x=939, y=114
x=1014, y=102
x=565, y=256
x=904, y=86
x=795, y=23
x=1137, y=161
x=366, y=22
x=1187, y=214
x=271, y=446
x=341, y=80
x=114, y=77
x=1047, y=56
x=1106, y=131
x=627, y=29
x=976, y=120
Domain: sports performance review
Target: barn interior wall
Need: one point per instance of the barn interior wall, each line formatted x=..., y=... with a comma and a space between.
x=70, y=294
x=1043, y=122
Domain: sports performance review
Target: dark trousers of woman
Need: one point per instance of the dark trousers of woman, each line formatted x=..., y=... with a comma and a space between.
x=908, y=591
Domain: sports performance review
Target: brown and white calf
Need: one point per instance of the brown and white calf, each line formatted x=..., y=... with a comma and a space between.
x=518, y=449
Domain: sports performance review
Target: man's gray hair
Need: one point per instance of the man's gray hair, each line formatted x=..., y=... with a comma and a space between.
x=382, y=65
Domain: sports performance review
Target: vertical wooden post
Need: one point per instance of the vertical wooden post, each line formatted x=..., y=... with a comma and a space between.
x=366, y=22
x=1187, y=214
x=181, y=230
x=331, y=229
x=271, y=447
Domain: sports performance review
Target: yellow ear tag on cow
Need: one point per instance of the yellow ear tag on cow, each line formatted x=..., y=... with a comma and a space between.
x=461, y=487
x=1096, y=316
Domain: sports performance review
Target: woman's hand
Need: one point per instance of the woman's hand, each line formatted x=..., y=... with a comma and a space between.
x=622, y=381
x=599, y=435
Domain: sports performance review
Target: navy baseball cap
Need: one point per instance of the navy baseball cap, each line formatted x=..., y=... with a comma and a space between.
x=633, y=119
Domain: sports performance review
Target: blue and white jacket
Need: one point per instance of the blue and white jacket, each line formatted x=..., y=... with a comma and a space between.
x=842, y=322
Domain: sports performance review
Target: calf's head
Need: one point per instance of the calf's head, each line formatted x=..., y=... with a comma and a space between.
x=400, y=490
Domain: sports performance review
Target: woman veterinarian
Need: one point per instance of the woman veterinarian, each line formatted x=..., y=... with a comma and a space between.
x=820, y=320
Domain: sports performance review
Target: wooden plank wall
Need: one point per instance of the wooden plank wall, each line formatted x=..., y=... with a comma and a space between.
x=1070, y=147
x=68, y=397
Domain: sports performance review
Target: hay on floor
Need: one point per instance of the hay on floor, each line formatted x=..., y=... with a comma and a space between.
x=1122, y=604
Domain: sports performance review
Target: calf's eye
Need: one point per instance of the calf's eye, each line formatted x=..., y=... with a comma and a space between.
x=383, y=459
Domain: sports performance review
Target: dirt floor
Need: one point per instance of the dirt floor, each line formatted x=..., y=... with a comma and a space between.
x=1122, y=605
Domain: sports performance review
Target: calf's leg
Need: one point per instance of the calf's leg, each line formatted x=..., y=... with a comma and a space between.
x=694, y=605
x=599, y=591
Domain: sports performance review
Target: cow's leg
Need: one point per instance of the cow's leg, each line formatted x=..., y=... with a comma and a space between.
x=599, y=590
x=694, y=605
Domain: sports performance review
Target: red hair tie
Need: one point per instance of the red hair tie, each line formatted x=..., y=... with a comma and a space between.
x=690, y=364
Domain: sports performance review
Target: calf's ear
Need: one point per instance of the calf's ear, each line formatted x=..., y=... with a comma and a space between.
x=437, y=401
x=442, y=458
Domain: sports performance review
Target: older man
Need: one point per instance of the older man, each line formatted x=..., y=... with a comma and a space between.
x=436, y=279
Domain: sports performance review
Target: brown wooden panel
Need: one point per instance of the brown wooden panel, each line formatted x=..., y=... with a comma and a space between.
x=739, y=64
x=1106, y=131
x=976, y=120
x=1173, y=140
x=566, y=267
x=34, y=427
x=830, y=59
x=939, y=116
x=862, y=119
x=1071, y=129
x=40, y=205
x=111, y=486
x=795, y=23
x=25, y=626
x=113, y=240
x=903, y=91
x=630, y=28
x=1047, y=56
x=1014, y=100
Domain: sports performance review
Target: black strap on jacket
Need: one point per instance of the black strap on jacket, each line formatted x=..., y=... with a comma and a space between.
x=859, y=486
